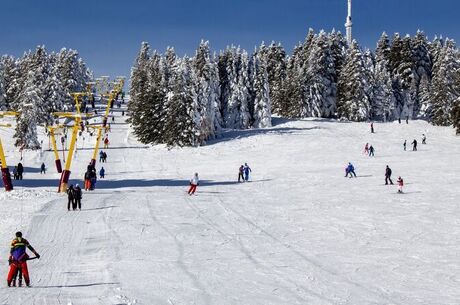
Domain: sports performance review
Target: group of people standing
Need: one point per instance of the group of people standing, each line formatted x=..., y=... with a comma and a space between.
x=102, y=156
x=414, y=143
x=74, y=196
x=18, y=171
x=90, y=178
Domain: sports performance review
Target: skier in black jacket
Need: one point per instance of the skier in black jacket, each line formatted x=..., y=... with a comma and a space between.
x=388, y=175
x=78, y=197
x=70, y=197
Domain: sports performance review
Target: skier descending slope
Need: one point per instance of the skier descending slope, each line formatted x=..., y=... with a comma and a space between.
x=350, y=170
x=400, y=185
x=18, y=258
x=194, y=182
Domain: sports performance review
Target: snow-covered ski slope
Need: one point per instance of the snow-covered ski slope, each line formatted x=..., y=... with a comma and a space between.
x=298, y=233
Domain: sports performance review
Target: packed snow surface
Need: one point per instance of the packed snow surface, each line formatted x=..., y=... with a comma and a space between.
x=298, y=233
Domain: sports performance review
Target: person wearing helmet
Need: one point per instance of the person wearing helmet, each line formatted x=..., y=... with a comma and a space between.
x=18, y=259
x=193, y=184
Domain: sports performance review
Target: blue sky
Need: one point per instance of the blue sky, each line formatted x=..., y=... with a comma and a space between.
x=108, y=33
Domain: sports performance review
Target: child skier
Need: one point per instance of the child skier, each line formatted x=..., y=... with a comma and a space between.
x=366, y=149
x=18, y=258
x=194, y=182
x=400, y=184
x=423, y=139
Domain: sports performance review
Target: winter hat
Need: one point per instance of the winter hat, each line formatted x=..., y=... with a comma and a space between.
x=18, y=234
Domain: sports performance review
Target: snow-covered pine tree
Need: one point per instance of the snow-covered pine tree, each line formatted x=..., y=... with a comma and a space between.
x=353, y=103
x=207, y=84
x=320, y=87
x=456, y=116
x=291, y=104
x=262, y=104
x=444, y=85
x=138, y=104
x=424, y=99
x=235, y=88
x=275, y=56
x=383, y=103
x=383, y=50
x=8, y=79
x=54, y=91
x=183, y=116
x=422, y=67
x=26, y=128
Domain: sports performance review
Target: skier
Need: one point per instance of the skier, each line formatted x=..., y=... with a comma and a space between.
x=371, y=151
x=87, y=180
x=407, y=119
x=194, y=182
x=104, y=157
x=43, y=169
x=388, y=175
x=246, y=169
x=20, y=171
x=78, y=196
x=102, y=173
x=414, y=147
x=423, y=139
x=400, y=184
x=106, y=142
x=240, y=173
x=350, y=170
x=372, y=127
x=15, y=173
x=366, y=149
x=70, y=197
x=18, y=259
x=93, y=180
x=101, y=156
x=405, y=145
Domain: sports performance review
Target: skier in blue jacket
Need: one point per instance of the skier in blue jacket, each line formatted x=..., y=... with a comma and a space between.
x=350, y=170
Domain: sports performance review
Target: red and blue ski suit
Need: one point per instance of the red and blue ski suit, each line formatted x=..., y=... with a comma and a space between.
x=18, y=259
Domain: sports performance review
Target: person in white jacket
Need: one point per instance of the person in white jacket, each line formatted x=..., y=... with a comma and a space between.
x=193, y=184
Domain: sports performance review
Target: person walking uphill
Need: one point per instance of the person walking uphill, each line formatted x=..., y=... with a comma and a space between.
x=18, y=259
x=70, y=197
x=240, y=173
x=194, y=182
x=246, y=169
x=388, y=175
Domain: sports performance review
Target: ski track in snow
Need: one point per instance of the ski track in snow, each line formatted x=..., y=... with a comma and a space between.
x=298, y=233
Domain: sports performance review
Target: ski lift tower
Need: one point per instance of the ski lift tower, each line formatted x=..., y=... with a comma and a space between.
x=6, y=177
x=349, y=25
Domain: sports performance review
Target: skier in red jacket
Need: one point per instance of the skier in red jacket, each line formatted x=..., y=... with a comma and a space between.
x=400, y=184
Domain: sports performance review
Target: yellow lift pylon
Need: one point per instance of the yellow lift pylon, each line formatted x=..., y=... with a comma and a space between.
x=6, y=176
x=77, y=117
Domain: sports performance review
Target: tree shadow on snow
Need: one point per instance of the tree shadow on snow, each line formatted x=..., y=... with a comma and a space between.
x=230, y=135
x=128, y=183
